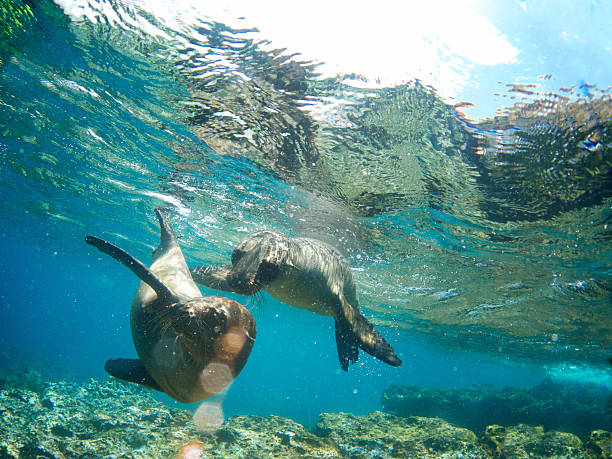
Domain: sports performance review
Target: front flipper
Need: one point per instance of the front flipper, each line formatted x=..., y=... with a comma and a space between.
x=366, y=336
x=131, y=370
x=213, y=276
x=145, y=274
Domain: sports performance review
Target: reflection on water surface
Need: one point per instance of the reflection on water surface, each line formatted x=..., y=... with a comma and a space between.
x=490, y=232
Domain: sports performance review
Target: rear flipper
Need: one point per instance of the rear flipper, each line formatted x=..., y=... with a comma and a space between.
x=131, y=370
x=137, y=267
x=167, y=237
x=348, y=347
x=352, y=322
x=373, y=343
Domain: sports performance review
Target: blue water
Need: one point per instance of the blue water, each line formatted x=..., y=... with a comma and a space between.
x=469, y=280
x=71, y=314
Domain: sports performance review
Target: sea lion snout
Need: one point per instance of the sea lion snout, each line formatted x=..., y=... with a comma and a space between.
x=243, y=283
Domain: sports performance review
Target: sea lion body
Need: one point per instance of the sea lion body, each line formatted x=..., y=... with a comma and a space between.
x=312, y=273
x=303, y=273
x=190, y=347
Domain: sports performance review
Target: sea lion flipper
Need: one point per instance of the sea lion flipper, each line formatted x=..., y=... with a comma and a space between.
x=346, y=342
x=137, y=267
x=371, y=341
x=367, y=337
x=167, y=239
x=131, y=370
x=213, y=276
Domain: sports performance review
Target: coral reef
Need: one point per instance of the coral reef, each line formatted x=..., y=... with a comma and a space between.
x=578, y=409
x=110, y=419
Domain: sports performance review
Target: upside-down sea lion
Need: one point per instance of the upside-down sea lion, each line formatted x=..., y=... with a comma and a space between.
x=190, y=347
x=307, y=274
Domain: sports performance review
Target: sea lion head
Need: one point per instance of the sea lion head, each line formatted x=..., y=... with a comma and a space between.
x=257, y=261
x=215, y=328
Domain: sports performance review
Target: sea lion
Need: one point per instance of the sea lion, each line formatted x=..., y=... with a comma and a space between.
x=305, y=273
x=190, y=347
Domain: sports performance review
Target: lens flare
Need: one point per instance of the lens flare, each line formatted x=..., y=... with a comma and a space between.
x=192, y=450
x=216, y=377
x=208, y=417
x=233, y=341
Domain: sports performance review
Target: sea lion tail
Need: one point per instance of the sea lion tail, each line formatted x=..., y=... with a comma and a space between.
x=356, y=327
x=137, y=267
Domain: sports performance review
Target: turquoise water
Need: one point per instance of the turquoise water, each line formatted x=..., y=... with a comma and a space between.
x=480, y=246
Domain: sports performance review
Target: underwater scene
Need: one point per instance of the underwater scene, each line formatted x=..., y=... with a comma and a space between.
x=325, y=229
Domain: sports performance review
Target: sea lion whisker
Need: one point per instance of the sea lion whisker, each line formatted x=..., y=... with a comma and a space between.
x=259, y=304
x=252, y=301
x=256, y=301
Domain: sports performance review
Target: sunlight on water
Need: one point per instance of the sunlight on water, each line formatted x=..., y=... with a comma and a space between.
x=418, y=196
x=570, y=373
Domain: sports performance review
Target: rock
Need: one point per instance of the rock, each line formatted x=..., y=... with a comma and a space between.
x=383, y=435
x=112, y=419
x=571, y=408
x=94, y=419
x=270, y=436
x=600, y=444
x=525, y=441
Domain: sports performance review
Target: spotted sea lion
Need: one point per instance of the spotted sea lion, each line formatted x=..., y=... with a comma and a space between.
x=304, y=273
x=190, y=347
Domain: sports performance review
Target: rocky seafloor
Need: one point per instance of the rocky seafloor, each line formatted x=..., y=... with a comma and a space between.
x=575, y=408
x=108, y=419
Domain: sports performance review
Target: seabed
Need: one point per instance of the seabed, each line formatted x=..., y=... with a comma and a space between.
x=44, y=419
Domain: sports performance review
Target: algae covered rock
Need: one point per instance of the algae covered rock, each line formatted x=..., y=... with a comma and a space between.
x=383, y=435
x=525, y=441
x=270, y=436
x=41, y=419
x=94, y=419
x=600, y=443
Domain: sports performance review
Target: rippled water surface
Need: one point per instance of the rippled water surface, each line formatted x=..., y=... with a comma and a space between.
x=472, y=198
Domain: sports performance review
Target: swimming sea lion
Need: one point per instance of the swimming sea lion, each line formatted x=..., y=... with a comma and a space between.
x=307, y=274
x=190, y=347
